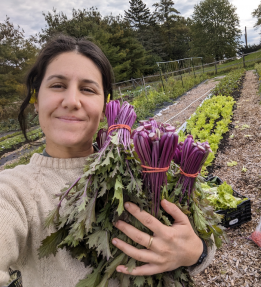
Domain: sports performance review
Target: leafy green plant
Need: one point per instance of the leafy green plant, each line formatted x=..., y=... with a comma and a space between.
x=212, y=118
x=221, y=197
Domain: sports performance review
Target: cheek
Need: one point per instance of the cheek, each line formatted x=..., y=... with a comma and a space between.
x=94, y=109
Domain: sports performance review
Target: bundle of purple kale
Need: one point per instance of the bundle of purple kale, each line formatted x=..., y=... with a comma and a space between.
x=142, y=172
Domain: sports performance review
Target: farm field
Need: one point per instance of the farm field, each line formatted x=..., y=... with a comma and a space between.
x=238, y=263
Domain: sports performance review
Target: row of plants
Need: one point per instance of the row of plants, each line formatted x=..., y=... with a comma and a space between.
x=12, y=124
x=211, y=120
x=19, y=140
x=25, y=159
x=231, y=81
x=258, y=70
x=148, y=101
x=10, y=135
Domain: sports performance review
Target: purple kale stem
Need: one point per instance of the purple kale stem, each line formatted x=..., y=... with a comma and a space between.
x=67, y=192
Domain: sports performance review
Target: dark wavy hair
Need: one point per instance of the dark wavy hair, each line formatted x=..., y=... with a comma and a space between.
x=54, y=47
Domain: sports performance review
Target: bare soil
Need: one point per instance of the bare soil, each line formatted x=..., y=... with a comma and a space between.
x=238, y=263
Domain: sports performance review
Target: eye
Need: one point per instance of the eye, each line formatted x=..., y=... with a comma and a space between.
x=57, y=86
x=88, y=90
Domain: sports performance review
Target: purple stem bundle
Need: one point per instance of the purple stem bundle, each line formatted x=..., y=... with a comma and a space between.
x=191, y=156
x=155, y=144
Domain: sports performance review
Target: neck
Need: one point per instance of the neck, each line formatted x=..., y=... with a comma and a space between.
x=68, y=152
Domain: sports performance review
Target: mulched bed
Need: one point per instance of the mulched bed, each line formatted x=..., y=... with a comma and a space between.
x=238, y=263
x=184, y=101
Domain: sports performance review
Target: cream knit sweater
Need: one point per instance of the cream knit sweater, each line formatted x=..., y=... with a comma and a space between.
x=26, y=197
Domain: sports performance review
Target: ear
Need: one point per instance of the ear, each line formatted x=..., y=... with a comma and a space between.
x=102, y=116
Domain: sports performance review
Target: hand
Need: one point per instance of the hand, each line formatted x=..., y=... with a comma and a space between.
x=172, y=246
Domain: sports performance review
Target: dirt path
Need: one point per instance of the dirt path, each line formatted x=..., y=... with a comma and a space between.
x=183, y=102
x=239, y=263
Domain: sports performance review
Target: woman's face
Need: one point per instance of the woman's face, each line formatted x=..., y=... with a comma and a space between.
x=70, y=104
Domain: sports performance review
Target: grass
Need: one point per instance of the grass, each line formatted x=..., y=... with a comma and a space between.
x=258, y=70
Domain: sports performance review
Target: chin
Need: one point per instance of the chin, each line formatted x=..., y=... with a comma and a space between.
x=71, y=140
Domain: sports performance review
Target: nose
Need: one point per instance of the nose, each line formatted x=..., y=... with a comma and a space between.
x=71, y=98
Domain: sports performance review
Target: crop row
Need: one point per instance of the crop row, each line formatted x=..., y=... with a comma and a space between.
x=25, y=158
x=229, y=83
x=147, y=102
x=14, y=142
x=211, y=120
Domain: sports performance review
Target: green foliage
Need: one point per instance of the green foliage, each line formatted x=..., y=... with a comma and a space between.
x=258, y=69
x=138, y=15
x=12, y=124
x=25, y=158
x=221, y=197
x=215, y=29
x=257, y=14
x=16, y=56
x=145, y=105
x=112, y=34
x=229, y=83
x=11, y=143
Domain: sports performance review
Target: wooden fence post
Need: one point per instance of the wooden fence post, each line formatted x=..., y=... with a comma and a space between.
x=120, y=94
x=145, y=87
x=162, y=80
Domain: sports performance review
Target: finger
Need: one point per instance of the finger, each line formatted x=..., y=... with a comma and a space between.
x=144, y=217
x=175, y=212
x=144, y=270
x=142, y=255
x=133, y=233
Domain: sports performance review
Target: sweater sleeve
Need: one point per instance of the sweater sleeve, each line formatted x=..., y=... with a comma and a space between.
x=197, y=269
x=13, y=227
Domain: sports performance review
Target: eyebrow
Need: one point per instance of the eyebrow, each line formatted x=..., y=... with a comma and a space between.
x=61, y=77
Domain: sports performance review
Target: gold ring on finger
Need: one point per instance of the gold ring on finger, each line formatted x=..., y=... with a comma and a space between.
x=150, y=242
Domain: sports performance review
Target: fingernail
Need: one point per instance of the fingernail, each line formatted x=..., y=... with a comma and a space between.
x=114, y=242
x=118, y=270
x=127, y=205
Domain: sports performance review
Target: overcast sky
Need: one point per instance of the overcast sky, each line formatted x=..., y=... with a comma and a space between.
x=28, y=13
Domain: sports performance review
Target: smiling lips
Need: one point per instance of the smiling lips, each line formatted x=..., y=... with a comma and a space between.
x=71, y=119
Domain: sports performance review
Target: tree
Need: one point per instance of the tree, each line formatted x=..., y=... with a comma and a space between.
x=214, y=30
x=137, y=15
x=257, y=14
x=172, y=31
x=16, y=56
x=112, y=34
x=165, y=12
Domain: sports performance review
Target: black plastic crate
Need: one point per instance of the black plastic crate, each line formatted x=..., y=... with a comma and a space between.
x=234, y=217
x=18, y=281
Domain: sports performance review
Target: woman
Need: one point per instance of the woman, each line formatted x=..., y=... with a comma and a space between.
x=72, y=79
